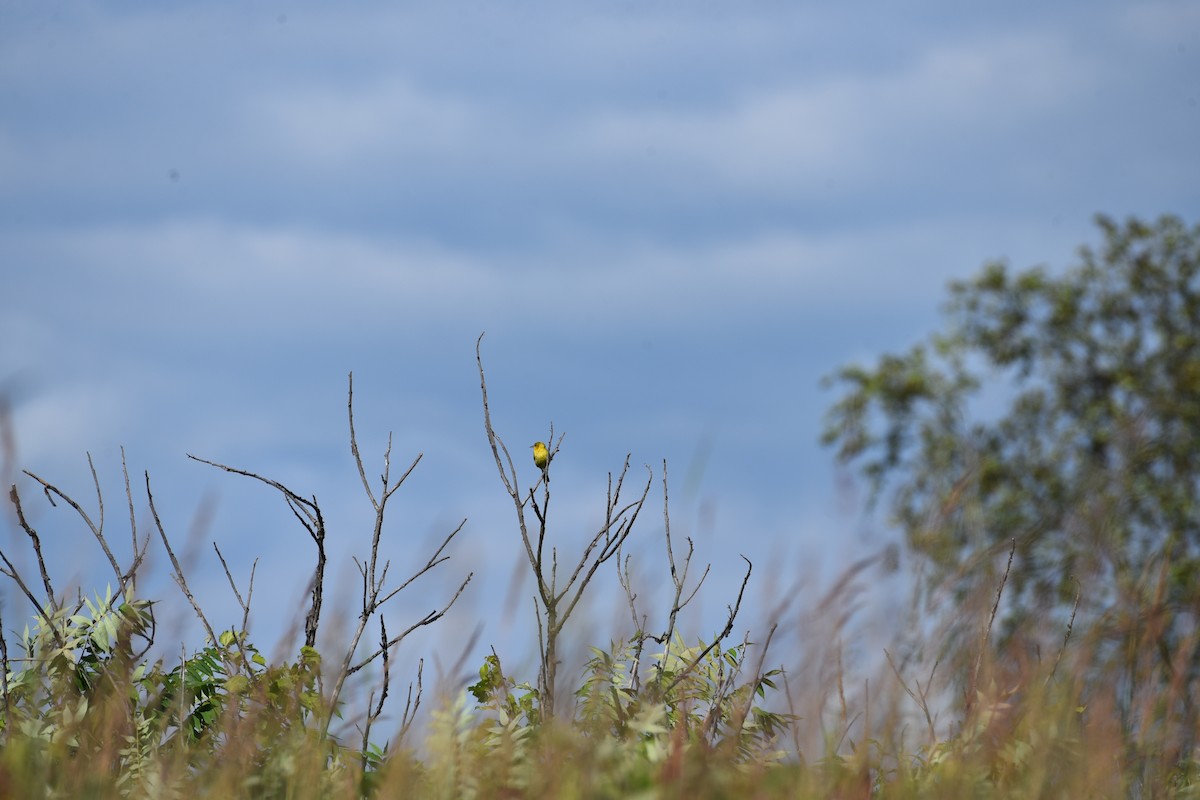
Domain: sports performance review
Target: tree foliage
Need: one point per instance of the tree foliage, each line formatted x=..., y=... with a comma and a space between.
x=1059, y=409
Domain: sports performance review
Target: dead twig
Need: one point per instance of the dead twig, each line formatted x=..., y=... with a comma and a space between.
x=308, y=513
x=554, y=603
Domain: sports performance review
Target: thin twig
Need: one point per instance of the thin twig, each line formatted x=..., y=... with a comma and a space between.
x=245, y=604
x=308, y=513
x=434, y=560
x=180, y=579
x=375, y=710
x=920, y=701
x=733, y=612
x=8, y=719
x=411, y=704
x=97, y=528
x=139, y=553
x=374, y=577
x=1067, y=634
x=987, y=631
x=428, y=619
x=37, y=549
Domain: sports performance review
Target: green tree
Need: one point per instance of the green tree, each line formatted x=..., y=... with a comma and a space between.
x=1059, y=409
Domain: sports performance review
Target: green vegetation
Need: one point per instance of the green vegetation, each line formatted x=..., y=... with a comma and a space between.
x=1055, y=650
x=1089, y=475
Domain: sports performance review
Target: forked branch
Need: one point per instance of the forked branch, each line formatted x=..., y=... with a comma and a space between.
x=553, y=603
x=308, y=513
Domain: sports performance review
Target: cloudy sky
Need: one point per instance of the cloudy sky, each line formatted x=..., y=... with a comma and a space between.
x=671, y=219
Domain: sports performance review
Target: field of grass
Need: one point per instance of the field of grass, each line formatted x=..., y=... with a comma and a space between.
x=85, y=718
x=967, y=704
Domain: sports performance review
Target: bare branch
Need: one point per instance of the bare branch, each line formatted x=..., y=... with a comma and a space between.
x=180, y=579
x=1067, y=633
x=509, y=484
x=987, y=631
x=612, y=544
x=434, y=560
x=245, y=604
x=386, y=491
x=512, y=483
x=308, y=513
x=37, y=549
x=11, y=572
x=97, y=528
x=411, y=705
x=678, y=579
x=428, y=619
x=139, y=554
x=375, y=710
x=8, y=726
x=362, y=473
x=733, y=612
x=297, y=503
x=920, y=701
x=554, y=605
x=403, y=477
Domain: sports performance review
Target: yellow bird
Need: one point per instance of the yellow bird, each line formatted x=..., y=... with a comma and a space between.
x=541, y=458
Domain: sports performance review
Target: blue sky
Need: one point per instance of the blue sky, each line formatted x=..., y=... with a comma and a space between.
x=671, y=220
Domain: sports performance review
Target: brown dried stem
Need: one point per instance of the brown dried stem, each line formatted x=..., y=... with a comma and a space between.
x=554, y=604
x=180, y=579
x=308, y=513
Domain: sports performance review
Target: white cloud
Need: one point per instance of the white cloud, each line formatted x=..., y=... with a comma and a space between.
x=192, y=280
x=249, y=270
x=387, y=119
x=59, y=423
x=1161, y=23
x=857, y=126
